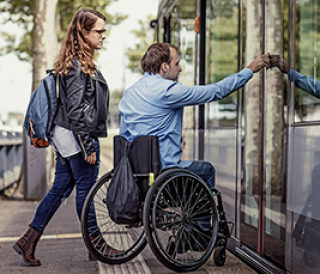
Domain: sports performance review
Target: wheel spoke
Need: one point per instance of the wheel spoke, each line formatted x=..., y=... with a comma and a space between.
x=171, y=197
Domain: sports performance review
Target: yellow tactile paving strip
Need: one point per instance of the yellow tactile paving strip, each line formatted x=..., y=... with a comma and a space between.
x=44, y=237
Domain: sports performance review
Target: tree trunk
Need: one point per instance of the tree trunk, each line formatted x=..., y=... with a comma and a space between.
x=38, y=163
x=44, y=39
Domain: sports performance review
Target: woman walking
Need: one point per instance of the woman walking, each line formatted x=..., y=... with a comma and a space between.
x=80, y=120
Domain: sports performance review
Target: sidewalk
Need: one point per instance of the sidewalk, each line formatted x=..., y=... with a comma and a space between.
x=61, y=249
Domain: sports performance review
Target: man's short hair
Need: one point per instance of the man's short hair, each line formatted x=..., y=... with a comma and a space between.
x=155, y=55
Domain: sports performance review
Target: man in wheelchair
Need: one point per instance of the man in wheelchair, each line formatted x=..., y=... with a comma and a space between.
x=154, y=105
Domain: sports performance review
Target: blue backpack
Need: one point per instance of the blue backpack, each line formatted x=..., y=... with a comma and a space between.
x=41, y=111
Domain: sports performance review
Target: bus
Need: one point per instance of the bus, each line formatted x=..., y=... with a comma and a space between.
x=261, y=139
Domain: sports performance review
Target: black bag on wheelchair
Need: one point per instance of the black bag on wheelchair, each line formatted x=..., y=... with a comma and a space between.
x=123, y=197
x=133, y=162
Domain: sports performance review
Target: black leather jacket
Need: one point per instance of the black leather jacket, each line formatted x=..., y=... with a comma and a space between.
x=84, y=102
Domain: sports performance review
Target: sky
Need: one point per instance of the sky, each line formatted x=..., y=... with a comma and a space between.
x=16, y=76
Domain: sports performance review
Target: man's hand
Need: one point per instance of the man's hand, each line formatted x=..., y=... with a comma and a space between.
x=277, y=61
x=260, y=62
x=91, y=159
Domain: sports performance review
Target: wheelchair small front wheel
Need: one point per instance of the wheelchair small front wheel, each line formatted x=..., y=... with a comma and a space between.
x=107, y=241
x=219, y=256
x=180, y=220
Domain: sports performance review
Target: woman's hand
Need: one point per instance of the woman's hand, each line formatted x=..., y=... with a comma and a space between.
x=91, y=159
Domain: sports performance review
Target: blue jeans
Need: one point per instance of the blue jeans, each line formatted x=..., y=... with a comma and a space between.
x=205, y=171
x=75, y=171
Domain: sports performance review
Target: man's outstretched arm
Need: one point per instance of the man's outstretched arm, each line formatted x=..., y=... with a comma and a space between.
x=178, y=95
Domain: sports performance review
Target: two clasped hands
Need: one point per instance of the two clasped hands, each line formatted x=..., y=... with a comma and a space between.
x=269, y=61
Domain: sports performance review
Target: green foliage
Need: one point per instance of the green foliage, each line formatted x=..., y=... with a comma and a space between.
x=307, y=52
x=145, y=36
x=224, y=40
x=21, y=13
x=188, y=9
x=224, y=44
x=66, y=10
x=224, y=55
x=223, y=8
x=17, y=12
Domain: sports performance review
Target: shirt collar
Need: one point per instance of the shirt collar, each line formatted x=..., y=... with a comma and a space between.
x=152, y=74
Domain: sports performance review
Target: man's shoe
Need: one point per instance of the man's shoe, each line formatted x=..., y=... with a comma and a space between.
x=26, y=247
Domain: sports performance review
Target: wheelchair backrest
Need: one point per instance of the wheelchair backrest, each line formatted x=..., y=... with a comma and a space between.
x=144, y=155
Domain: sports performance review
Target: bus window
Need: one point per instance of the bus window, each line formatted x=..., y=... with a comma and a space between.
x=307, y=106
x=222, y=45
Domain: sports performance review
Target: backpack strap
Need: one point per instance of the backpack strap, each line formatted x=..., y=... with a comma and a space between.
x=57, y=87
x=48, y=71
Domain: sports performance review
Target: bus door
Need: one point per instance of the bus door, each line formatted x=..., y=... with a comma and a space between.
x=263, y=132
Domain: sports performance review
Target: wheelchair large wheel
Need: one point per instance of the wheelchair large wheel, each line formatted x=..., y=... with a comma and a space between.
x=107, y=241
x=180, y=220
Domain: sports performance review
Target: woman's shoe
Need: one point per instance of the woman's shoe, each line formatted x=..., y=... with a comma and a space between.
x=26, y=247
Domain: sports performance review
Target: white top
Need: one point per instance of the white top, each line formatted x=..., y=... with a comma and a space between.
x=64, y=142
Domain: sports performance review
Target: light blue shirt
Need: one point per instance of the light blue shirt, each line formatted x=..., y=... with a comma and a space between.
x=154, y=106
x=306, y=83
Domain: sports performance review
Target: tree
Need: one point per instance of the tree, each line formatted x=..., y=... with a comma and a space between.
x=42, y=46
x=45, y=23
x=22, y=13
x=145, y=36
x=43, y=42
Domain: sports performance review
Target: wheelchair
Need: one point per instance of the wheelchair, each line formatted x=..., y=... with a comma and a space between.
x=181, y=219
